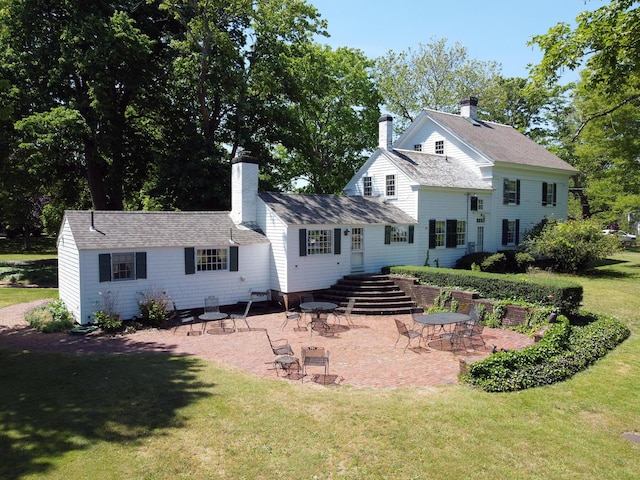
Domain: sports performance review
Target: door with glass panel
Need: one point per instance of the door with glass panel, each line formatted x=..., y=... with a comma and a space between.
x=357, y=250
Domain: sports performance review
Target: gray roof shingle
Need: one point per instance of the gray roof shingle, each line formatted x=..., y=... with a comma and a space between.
x=501, y=143
x=117, y=229
x=437, y=170
x=296, y=209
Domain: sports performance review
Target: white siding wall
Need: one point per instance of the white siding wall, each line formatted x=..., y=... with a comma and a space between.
x=276, y=231
x=69, y=272
x=166, y=272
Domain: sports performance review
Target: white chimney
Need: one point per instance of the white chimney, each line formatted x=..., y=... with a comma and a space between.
x=244, y=189
x=469, y=108
x=385, y=132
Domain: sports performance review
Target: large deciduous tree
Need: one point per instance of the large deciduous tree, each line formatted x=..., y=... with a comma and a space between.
x=434, y=76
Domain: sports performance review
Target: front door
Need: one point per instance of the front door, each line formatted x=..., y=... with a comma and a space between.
x=357, y=250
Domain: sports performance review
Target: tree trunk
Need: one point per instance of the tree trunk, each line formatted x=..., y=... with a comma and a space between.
x=94, y=176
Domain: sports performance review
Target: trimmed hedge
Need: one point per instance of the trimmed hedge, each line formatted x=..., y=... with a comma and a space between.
x=563, y=351
x=564, y=295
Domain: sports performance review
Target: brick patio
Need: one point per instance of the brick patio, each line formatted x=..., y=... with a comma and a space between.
x=362, y=355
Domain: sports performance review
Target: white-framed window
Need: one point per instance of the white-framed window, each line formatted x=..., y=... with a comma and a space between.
x=123, y=266
x=208, y=259
x=319, y=242
x=511, y=232
x=441, y=233
x=390, y=186
x=417, y=147
x=549, y=194
x=511, y=192
x=399, y=234
x=461, y=233
x=439, y=147
x=367, y=186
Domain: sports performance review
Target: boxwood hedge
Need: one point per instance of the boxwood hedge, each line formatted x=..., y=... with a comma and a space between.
x=562, y=352
x=565, y=295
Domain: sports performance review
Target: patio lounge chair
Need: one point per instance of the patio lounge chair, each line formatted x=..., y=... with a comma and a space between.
x=404, y=331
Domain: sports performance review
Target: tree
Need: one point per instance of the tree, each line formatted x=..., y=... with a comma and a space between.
x=433, y=76
x=606, y=42
x=333, y=124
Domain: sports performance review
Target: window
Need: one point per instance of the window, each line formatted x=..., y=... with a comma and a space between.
x=367, y=186
x=510, y=232
x=211, y=259
x=440, y=233
x=319, y=242
x=549, y=194
x=511, y=192
x=461, y=232
x=417, y=147
x=122, y=266
x=447, y=233
x=439, y=147
x=398, y=234
x=391, y=186
x=476, y=203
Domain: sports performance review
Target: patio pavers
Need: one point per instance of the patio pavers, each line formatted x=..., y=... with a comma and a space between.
x=361, y=356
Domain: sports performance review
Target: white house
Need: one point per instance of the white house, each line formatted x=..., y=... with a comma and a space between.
x=450, y=184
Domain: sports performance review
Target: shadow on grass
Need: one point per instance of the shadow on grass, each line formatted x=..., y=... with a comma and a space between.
x=33, y=272
x=51, y=404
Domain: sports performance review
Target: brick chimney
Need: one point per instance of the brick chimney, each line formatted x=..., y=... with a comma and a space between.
x=244, y=189
x=385, y=132
x=469, y=108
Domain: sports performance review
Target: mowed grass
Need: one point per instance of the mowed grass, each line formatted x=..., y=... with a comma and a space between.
x=161, y=417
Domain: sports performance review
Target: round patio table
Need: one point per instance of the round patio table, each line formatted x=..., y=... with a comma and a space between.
x=441, y=319
x=318, y=306
x=211, y=317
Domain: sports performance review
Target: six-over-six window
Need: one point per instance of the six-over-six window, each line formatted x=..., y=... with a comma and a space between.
x=447, y=233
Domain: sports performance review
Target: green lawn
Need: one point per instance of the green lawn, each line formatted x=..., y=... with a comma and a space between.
x=163, y=417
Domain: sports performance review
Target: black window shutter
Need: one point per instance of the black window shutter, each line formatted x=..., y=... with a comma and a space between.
x=517, y=233
x=104, y=263
x=474, y=204
x=505, y=192
x=189, y=261
x=387, y=234
x=545, y=185
x=302, y=240
x=141, y=264
x=432, y=234
x=233, y=258
x=505, y=231
x=555, y=191
x=411, y=232
x=452, y=234
x=337, y=241
x=517, y=192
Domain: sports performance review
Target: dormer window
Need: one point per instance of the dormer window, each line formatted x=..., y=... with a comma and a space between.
x=439, y=147
x=367, y=186
x=417, y=147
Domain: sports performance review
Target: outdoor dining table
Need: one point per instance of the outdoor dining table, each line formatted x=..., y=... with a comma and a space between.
x=211, y=317
x=441, y=319
x=317, y=308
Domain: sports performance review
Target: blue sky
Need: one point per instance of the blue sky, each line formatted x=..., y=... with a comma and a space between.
x=491, y=30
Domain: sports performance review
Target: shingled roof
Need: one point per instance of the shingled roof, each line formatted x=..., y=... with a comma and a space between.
x=117, y=229
x=295, y=209
x=437, y=170
x=500, y=143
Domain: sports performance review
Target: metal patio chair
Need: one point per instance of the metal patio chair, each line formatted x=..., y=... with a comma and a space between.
x=404, y=331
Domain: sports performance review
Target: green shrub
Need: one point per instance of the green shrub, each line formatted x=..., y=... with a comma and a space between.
x=496, y=263
x=562, y=294
x=108, y=322
x=155, y=308
x=572, y=246
x=563, y=351
x=50, y=318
